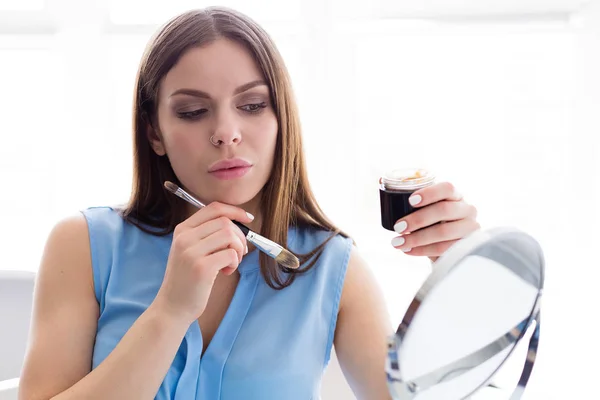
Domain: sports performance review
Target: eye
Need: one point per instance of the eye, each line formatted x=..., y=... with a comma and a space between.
x=195, y=114
x=254, y=107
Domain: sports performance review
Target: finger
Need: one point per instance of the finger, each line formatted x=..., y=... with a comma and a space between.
x=215, y=225
x=215, y=210
x=434, y=193
x=435, y=234
x=191, y=236
x=228, y=270
x=434, y=213
x=224, y=260
x=223, y=239
x=431, y=250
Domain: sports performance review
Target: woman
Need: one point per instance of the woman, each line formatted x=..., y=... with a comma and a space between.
x=128, y=301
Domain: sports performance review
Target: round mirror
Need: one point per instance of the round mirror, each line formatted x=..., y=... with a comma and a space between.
x=481, y=300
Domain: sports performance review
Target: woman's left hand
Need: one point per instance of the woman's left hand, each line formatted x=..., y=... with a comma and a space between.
x=421, y=235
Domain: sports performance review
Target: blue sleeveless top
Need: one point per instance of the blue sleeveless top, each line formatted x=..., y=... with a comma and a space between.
x=270, y=345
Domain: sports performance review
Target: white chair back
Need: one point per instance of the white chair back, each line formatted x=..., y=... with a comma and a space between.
x=16, y=298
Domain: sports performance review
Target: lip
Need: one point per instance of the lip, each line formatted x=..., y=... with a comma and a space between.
x=230, y=168
x=228, y=164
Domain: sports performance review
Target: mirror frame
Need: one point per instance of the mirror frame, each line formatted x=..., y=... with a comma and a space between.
x=477, y=241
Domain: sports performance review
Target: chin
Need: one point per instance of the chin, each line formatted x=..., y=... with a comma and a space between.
x=234, y=196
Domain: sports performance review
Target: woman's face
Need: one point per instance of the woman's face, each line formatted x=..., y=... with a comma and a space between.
x=218, y=91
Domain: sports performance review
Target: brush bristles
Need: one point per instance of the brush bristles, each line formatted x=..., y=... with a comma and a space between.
x=171, y=187
x=287, y=260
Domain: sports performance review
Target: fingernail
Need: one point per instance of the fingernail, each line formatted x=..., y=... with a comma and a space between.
x=246, y=250
x=406, y=250
x=250, y=215
x=414, y=200
x=398, y=241
x=400, y=226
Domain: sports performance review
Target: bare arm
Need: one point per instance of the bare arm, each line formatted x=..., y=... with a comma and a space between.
x=64, y=321
x=362, y=328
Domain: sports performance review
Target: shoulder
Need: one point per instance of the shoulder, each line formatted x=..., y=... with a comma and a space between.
x=106, y=225
x=306, y=238
x=358, y=272
x=329, y=251
x=70, y=232
x=102, y=215
x=70, y=237
x=360, y=283
x=66, y=259
x=82, y=246
x=324, y=253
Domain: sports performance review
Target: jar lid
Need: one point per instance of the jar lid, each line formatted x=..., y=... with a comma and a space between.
x=407, y=179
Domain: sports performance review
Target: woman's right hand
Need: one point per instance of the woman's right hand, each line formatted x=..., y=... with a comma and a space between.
x=203, y=245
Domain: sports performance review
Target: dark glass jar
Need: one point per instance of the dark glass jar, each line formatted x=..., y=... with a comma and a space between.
x=395, y=187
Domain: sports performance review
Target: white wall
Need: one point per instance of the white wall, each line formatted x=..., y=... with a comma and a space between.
x=508, y=113
x=504, y=108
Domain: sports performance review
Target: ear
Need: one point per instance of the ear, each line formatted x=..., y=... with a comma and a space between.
x=155, y=140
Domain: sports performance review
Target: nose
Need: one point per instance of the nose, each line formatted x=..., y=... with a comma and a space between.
x=226, y=131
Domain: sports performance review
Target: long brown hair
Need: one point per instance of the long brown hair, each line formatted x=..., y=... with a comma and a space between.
x=286, y=197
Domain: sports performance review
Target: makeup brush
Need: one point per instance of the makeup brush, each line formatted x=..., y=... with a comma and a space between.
x=270, y=248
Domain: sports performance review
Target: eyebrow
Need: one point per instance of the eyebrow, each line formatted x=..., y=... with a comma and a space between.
x=238, y=90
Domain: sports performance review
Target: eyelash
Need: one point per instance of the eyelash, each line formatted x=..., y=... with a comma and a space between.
x=197, y=114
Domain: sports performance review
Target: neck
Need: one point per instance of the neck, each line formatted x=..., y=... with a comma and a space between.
x=253, y=207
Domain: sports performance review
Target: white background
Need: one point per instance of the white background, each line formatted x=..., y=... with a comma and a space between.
x=499, y=97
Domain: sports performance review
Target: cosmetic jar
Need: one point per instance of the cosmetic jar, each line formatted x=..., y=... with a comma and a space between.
x=395, y=187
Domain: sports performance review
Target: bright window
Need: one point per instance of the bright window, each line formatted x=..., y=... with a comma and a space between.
x=22, y=5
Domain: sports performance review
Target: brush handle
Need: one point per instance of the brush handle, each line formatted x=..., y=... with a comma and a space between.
x=179, y=192
x=243, y=227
